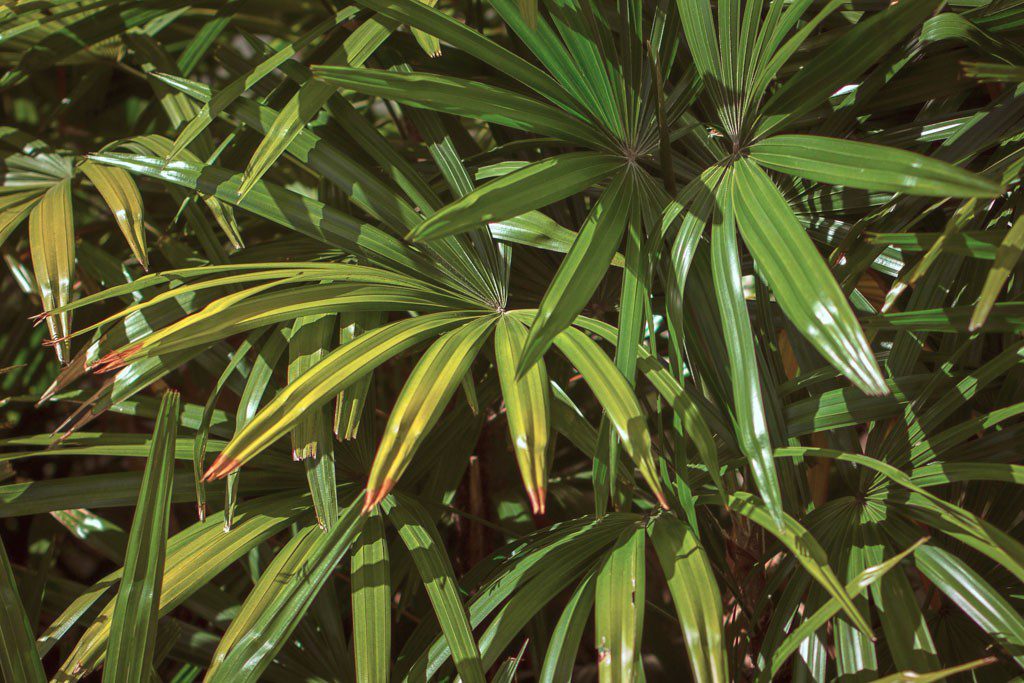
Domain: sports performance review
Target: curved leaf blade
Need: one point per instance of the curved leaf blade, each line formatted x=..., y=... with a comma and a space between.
x=527, y=404
x=51, y=236
x=18, y=658
x=535, y=185
x=806, y=550
x=868, y=166
x=429, y=388
x=618, y=400
x=695, y=594
x=281, y=598
x=748, y=402
x=580, y=273
x=122, y=195
x=568, y=632
x=419, y=533
x=809, y=294
x=133, y=624
x=339, y=369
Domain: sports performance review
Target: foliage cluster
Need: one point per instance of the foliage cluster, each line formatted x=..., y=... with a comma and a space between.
x=511, y=339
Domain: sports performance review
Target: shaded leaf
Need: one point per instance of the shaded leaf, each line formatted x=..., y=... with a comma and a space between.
x=133, y=624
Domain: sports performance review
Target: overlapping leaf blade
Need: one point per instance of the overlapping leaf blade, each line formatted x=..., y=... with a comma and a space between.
x=429, y=388
x=619, y=608
x=18, y=658
x=530, y=187
x=527, y=405
x=420, y=536
x=695, y=595
x=285, y=591
x=133, y=624
x=51, y=232
x=617, y=399
x=808, y=295
x=868, y=166
x=337, y=370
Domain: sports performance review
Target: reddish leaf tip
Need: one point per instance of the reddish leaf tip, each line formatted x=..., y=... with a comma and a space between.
x=534, y=501
x=375, y=496
x=115, y=360
x=219, y=469
x=368, y=503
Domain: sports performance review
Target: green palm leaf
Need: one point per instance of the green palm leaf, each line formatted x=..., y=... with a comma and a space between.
x=483, y=268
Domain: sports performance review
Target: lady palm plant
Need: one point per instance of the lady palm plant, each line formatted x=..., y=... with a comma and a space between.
x=366, y=319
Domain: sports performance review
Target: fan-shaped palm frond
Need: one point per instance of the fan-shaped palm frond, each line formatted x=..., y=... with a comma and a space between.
x=367, y=318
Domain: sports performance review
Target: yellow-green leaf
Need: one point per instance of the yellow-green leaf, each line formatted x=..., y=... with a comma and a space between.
x=425, y=394
x=527, y=404
x=51, y=236
x=121, y=194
